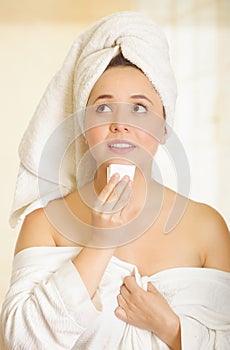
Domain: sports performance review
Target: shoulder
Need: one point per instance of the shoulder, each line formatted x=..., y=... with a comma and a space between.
x=36, y=230
x=207, y=219
x=213, y=234
x=205, y=228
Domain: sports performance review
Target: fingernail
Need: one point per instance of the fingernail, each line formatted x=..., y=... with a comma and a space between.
x=126, y=178
x=116, y=176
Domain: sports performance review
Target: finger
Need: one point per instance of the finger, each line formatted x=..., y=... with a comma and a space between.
x=117, y=198
x=122, y=302
x=120, y=313
x=123, y=191
x=106, y=192
x=124, y=292
x=131, y=284
x=151, y=288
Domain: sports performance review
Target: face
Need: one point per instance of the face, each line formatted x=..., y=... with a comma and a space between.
x=125, y=108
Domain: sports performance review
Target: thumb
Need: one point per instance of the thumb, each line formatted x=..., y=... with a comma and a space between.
x=120, y=313
x=151, y=288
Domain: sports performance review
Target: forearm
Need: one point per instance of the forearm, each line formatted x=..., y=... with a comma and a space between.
x=175, y=343
x=91, y=264
x=172, y=333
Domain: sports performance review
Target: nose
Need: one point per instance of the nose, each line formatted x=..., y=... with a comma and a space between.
x=117, y=124
x=119, y=128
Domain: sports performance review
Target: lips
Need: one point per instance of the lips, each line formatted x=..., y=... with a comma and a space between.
x=121, y=146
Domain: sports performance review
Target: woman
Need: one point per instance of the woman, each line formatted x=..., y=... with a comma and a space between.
x=90, y=270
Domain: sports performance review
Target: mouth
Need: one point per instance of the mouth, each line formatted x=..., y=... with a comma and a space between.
x=121, y=146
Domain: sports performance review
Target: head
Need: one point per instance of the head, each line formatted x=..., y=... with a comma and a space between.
x=145, y=53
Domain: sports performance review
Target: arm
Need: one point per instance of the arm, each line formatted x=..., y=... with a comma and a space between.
x=59, y=299
x=215, y=239
x=105, y=215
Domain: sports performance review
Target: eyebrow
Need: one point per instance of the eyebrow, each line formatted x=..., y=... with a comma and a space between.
x=102, y=97
x=143, y=97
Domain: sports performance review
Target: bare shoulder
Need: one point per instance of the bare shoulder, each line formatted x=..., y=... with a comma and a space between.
x=36, y=230
x=205, y=229
x=213, y=234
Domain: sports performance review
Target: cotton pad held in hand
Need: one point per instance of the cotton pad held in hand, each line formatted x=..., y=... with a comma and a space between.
x=122, y=169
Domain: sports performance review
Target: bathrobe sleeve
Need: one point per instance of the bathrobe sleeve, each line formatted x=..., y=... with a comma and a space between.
x=45, y=308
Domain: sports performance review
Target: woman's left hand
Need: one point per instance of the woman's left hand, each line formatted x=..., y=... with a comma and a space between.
x=147, y=310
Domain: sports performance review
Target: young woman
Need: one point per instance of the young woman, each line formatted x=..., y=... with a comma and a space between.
x=94, y=268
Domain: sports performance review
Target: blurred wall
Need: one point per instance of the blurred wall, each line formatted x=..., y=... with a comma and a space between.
x=35, y=36
x=198, y=32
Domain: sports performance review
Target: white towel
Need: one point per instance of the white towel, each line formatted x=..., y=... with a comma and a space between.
x=142, y=42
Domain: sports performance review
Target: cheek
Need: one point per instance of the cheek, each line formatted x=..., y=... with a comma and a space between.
x=154, y=147
x=148, y=142
x=95, y=135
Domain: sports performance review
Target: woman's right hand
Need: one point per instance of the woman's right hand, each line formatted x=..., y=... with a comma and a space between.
x=109, y=207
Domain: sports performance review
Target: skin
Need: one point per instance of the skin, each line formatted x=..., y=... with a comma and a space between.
x=200, y=242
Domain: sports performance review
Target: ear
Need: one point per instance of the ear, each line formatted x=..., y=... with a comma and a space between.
x=164, y=136
x=85, y=139
x=165, y=133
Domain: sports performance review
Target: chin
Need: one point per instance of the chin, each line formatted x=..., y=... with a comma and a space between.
x=120, y=161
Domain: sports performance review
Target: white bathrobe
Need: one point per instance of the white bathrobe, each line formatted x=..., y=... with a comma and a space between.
x=48, y=306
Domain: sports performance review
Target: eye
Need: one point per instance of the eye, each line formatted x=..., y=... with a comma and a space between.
x=103, y=108
x=139, y=108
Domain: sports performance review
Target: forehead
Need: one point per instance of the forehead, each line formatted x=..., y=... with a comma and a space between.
x=123, y=79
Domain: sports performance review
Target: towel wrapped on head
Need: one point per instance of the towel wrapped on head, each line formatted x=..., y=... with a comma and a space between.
x=143, y=43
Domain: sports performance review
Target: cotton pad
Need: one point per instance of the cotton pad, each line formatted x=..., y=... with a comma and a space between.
x=122, y=169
